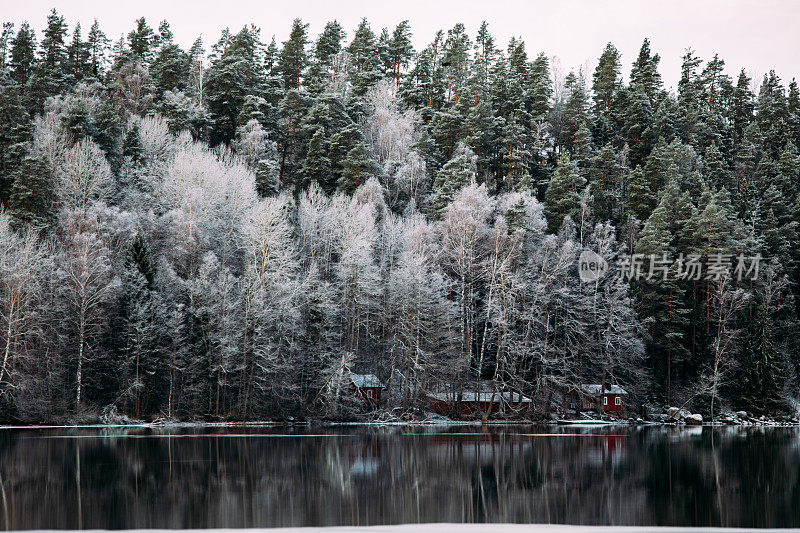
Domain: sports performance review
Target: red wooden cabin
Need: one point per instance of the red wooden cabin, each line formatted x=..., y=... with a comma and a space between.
x=592, y=397
x=367, y=387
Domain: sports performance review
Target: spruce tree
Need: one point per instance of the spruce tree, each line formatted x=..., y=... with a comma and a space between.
x=139, y=258
x=575, y=112
x=456, y=174
x=540, y=87
x=715, y=168
x=32, y=194
x=14, y=133
x=5, y=43
x=357, y=167
x=772, y=115
x=563, y=193
x=764, y=373
x=742, y=107
x=793, y=111
x=638, y=125
x=661, y=296
x=316, y=164
x=605, y=179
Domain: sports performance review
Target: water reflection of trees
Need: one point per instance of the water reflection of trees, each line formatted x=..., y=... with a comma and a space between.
x=653, y=476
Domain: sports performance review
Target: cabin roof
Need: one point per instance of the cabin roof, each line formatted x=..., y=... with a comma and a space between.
x=482, y=397
x=366, y=381
x=595, y=390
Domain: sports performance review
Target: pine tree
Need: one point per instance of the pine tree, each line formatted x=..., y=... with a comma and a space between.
x=141, y=42
x=689, y=97
x=606, y=84
x=77, y=57
x=53, y=46
x=97, y=47
x=363, y=50
x=455, y=62
x=326, y=48
x=23, y=55
x=232, y=76
x=400, y=50
x=329, y=43
x=170, y=65
x=644, y=74
x=293, y=59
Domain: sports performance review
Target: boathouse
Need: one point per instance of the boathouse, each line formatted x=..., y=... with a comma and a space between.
x=470, y=403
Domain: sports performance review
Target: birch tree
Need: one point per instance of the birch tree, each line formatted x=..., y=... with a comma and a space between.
x=88, y=285
x=23, y=261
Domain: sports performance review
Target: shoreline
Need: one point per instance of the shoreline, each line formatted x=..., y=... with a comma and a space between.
x=475, y=528
x=409, y=424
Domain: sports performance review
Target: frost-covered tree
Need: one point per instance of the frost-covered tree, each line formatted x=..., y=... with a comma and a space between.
x=24, y=262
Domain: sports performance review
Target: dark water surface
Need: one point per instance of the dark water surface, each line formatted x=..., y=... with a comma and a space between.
x=268, y=477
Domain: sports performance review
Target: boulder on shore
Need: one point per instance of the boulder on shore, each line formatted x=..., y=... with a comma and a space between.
x=741, y=414
x=694, y=419
x=673, y=412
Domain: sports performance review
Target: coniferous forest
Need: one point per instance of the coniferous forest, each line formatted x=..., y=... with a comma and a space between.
x=226, y=232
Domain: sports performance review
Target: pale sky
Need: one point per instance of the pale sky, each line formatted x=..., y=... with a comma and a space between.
x=756, y=35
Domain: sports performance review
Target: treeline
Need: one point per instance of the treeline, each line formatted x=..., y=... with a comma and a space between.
x=229, y=235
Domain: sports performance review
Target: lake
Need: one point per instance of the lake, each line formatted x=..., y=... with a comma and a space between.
x=113, y=478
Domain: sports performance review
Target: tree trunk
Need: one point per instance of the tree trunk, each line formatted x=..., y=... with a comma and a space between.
x=79, y=373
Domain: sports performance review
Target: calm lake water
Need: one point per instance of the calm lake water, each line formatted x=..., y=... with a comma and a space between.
x=268, y=477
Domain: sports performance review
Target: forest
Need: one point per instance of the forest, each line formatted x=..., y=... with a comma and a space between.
x=226, y=234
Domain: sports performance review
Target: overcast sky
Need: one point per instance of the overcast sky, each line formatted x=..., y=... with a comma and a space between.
x=756, y=35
